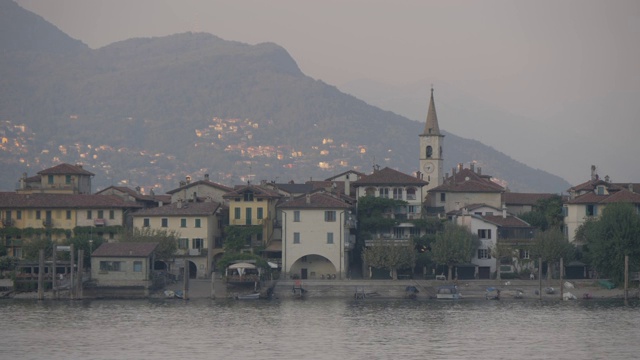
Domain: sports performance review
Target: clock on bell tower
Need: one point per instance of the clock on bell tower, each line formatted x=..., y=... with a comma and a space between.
x=431, y=141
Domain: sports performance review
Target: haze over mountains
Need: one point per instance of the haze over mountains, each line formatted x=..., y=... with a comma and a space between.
x=148, y=112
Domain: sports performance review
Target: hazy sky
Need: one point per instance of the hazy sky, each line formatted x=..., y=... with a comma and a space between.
x=568, y=71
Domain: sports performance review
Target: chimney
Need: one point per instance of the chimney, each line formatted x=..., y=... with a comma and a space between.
x=79, y=166
x=206, y=177
x=479, y=170
x=183, y=183
x=630, y=187
x=504, y=211
x=188, y=178
x=347, y=185
x=179, y=205
x=460, y=166
x=138, y=189
x=308, y=198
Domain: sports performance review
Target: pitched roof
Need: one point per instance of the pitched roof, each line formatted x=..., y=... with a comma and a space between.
x=181, y=209
x=65, y=169
x=509, y=221
x=258, y=191
x=467, y=180
x=124, y=249
x=359, y=174
x=42, y=201
x=388, y=176
x=620, y=195
x=201, y=182
x=431, y=126
x=318, y=200
x=524, y=198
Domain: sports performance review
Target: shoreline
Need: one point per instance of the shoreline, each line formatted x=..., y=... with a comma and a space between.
x=393, y=289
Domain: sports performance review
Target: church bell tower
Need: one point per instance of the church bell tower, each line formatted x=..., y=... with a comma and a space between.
x=431, y=141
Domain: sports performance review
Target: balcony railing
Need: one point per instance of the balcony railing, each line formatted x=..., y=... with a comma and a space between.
x=100, y=222
x=245, y=222
x=47, y=223
x=7, y=222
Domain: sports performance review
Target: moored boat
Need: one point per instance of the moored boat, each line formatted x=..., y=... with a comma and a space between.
x=448, y=292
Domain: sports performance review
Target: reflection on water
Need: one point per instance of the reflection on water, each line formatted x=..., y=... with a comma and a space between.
x=318, y=329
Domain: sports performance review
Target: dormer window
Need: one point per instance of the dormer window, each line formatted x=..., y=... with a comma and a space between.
x=600, y=190
x=248, y=196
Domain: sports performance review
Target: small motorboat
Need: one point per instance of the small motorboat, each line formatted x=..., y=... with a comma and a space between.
x=252, y=296
x=169, y=294
x=550, y=290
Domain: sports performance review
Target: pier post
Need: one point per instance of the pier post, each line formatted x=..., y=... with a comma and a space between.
x=626, y=277
x=561, y=279
x=54, y=279
x=540, y=277
x=185, y=282
x=80, y=273
x=72, y=264
x=41, y=275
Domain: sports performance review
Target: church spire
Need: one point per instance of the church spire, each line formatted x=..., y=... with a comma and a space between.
x=431, y=126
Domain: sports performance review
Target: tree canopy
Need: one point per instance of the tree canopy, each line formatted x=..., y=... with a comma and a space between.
x=547, y=214
x=454, y=245
x=167, y=240
x=391, y=256
x=551, y=245
x=608, y=239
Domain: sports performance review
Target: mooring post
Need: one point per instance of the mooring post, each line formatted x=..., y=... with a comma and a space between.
x=626, y=276
x=185, y=283
x=540, y=277
x=71, y=277
x=54, y=287
x=41, y=275
x=561, y=279
x=80, y=273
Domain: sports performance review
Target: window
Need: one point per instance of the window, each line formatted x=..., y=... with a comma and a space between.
x=248, y=196
x=329, y=238
x=110, y=265
x=100, y=214
x=296, y=216
x=384, y=193
x=50, y=179
x=8, y=217
x=237, y=213
x=68, y=215
x=524, y=254
x=414, y=231
x=145, y=222
x=112, y=214
x=19, y=214
x=137, y=266
x=89, y=215
x=412, y=209
x=111, y=235
x=197, y=243
x=183, y=243
x=183, y=223
x=397, y=193
x=429, y=151
x=37, y=214
x=164, y=222
x=592, y=210
x=484, y=233
x=483, y=254
x=67, y=179
x=259, y=214
x=600, y=190
x=296, y=238
x=197, y=223
x=329, y=216
x=442, y=197
x=370, y=191
x=411, y=193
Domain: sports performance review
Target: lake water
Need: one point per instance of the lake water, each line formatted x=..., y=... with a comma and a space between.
x=319, y=329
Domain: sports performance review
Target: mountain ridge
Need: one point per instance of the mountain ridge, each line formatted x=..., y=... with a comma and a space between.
x=161, y=108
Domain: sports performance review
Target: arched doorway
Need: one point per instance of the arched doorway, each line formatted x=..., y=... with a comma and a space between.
x=160, y=265
x=313, y=267
x=193, y=270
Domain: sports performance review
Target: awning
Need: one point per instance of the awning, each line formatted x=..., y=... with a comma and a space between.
x=274, y=246
x=242, y=266
x=272, y=265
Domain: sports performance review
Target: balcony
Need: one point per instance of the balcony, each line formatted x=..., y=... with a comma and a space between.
x=47, y=223
x=241, y=222
x=100, y=222
x=7, y=222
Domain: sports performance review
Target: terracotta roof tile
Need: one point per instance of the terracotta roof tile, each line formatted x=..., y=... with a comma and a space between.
x=187, y=209
x=388, y=176
x=201, y=182
x=258, y=191
x=42, y=201
x=65, y=169
x=125, y=249
x=319, y=200
x=524, y=198
x=509, y=221
x=467, y=180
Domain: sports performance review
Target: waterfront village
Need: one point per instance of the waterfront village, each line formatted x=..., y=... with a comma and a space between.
x=312, y=236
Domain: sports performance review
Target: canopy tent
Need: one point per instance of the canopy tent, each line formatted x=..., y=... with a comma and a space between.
x=240, y=267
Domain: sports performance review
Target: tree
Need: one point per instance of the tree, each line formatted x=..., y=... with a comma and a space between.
x=500, y=251
x=31, y=248
x=391, y=256
x=454, y=245
x=547, y=214
x=615, y=234
x=551, y=245
x=167, y=240
x=237, y=237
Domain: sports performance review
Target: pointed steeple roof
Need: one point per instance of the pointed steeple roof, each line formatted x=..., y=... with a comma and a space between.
x=431, y=126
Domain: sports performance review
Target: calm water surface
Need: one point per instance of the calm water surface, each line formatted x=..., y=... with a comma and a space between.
x=319, y=329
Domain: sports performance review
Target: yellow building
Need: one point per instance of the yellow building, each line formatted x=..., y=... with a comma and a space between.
x=60, y=179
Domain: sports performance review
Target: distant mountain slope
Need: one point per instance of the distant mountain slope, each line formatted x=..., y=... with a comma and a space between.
x=150, y=111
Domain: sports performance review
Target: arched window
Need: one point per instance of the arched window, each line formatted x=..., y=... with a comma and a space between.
x=429, y=151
